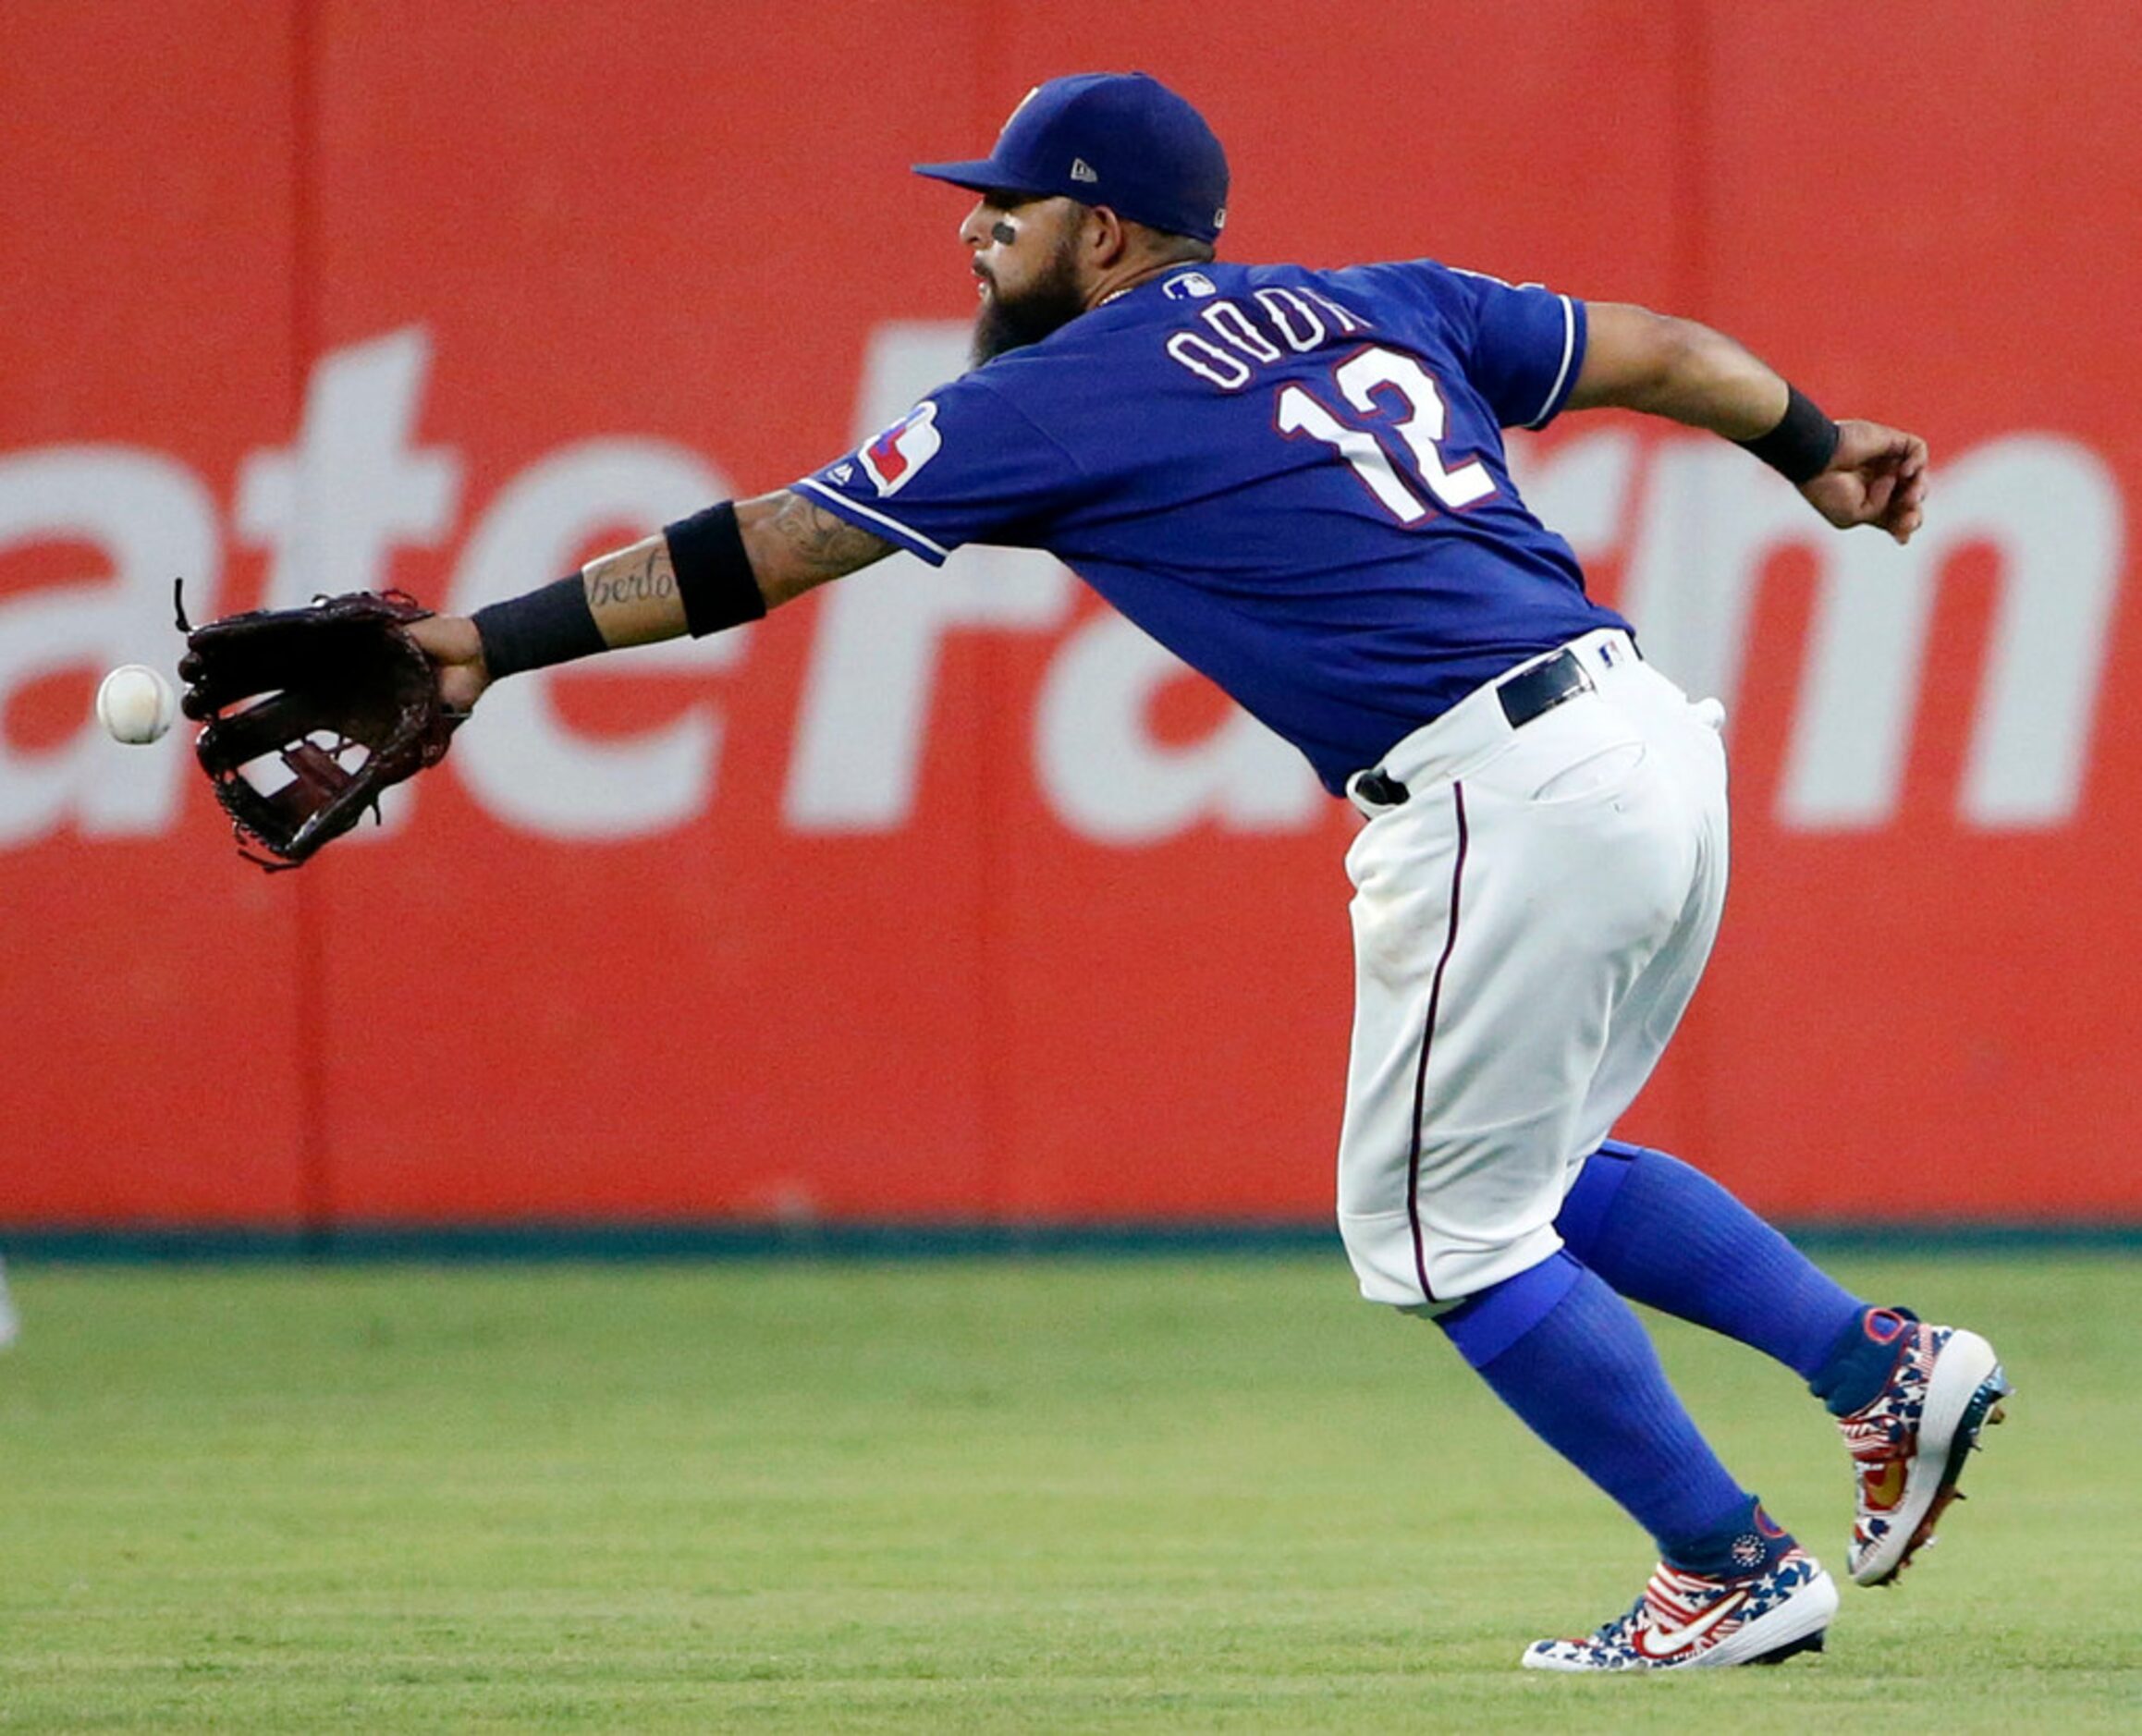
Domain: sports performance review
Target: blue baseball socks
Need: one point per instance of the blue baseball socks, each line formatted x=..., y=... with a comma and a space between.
x=1564, y=1353
x=1666, y=1235
x=1560, y=1346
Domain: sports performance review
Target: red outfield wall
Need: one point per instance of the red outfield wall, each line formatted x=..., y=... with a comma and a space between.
x=944, y=896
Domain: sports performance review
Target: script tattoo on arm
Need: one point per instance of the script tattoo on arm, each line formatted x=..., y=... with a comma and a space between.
x=796, y=545
x=632, y=595
x=643, y=575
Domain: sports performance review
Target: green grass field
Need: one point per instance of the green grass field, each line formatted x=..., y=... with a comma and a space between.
x=1214, y=1494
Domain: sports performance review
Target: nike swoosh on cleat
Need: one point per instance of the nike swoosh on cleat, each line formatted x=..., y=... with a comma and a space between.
x=1681, y=1638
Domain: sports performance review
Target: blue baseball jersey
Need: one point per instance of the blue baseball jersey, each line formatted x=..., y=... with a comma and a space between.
x=1292, y=479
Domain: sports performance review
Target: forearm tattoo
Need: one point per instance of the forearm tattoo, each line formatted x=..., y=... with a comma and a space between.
x=823, y=543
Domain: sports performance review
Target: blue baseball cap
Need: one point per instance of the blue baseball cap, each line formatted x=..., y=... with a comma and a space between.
x=1116, y=139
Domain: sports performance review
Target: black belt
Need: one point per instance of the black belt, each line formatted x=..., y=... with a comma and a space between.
x=1542, y=687
x=1523, y=697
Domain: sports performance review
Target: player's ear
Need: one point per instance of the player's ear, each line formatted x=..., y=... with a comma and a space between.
x=1106, y=237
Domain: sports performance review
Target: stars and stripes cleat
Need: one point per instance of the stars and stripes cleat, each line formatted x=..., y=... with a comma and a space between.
x=1909, y=1442
x=1694, y=1620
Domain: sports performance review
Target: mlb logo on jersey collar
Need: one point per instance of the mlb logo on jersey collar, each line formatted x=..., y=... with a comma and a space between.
x=1189, y=285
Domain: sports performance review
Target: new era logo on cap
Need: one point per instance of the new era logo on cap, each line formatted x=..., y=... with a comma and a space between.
x=1082, y=170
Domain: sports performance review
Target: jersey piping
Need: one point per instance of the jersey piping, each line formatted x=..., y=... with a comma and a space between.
x=1561, y=378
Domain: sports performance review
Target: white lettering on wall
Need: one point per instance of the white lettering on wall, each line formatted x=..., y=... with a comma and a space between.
x=517, y=755
x=2051, y=514
x=154, y=521
x=1109, y=779
x=1706, y=526
x=333, y=507
x=1694, y=521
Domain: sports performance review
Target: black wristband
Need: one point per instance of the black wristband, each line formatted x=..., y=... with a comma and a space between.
x=1800, y=447
x=549, y=625
x=713, y=574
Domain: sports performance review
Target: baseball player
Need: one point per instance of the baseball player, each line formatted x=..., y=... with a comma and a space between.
x=1295, y=480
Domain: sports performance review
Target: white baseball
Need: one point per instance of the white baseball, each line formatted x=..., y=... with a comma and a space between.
x=135, y=704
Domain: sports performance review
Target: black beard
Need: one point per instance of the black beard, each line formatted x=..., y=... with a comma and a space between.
x=1002, y=325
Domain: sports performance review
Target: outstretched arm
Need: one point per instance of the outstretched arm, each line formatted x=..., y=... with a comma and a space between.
x=1637, y=360
x=792, y=544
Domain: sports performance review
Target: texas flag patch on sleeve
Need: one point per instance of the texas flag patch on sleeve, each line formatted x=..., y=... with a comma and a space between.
x=902, y=449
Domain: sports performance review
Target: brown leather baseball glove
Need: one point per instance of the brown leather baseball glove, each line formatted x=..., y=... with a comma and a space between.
x=310, y=715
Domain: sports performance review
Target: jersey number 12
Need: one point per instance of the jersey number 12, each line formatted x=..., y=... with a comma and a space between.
x=1359, y=378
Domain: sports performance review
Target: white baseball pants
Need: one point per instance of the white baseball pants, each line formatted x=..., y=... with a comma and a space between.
x=1528, y=927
